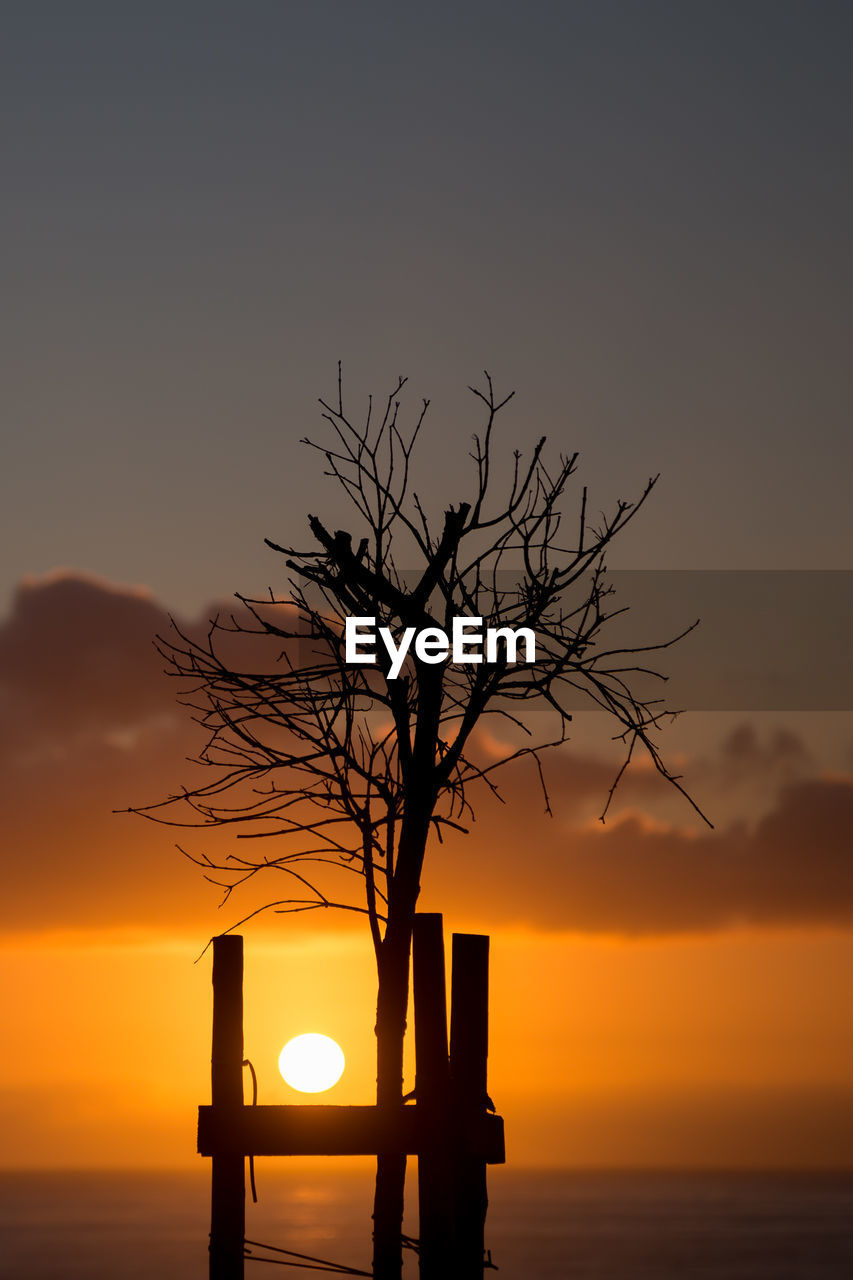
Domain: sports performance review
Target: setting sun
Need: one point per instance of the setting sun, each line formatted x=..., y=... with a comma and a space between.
x=311, y=1063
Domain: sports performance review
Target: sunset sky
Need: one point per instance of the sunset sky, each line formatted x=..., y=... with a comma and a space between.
x=635, y=215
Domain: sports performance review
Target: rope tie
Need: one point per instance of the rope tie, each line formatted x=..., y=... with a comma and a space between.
x=247, y=1063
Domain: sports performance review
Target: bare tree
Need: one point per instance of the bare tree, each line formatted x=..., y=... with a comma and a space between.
x=350, y=765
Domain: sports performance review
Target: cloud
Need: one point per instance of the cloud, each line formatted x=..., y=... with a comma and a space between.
x=90, y=724
x=77, y=654
x=639, y=876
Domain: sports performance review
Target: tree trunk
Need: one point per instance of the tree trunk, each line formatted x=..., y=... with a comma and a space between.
x=391, y=1007
x=393, y=967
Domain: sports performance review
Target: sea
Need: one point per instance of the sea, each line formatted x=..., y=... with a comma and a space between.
x=542, y=1225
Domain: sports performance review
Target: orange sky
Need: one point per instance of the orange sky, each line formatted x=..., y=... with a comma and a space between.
x=660, y=995
x=638, y=217
x=728, y=1050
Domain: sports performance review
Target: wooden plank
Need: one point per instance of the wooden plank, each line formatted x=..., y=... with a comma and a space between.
x=469, y=1018
x=432, y=1068
x=228, y=1184
x=432, y=1087
x=226, y=1061
x=337, y=1131
x=469, y=1047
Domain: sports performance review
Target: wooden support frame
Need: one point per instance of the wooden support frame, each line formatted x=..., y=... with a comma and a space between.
x=449, y=1128
x=228, y=1174
x=436, y=1226
x=313, y=1130
x=469, y=1048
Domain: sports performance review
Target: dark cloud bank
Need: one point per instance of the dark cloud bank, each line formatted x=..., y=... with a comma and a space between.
x=90, y=724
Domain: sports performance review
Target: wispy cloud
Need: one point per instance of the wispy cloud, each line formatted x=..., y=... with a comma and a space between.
x=90, y=724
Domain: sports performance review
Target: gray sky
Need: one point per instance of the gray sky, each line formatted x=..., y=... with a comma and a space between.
x=636, y=214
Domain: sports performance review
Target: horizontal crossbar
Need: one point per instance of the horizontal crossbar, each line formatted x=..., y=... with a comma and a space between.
x=343, y=1131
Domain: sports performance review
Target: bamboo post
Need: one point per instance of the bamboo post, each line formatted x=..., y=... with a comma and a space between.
x=469, y=1046
x=432, y=1088
x=228, y=1190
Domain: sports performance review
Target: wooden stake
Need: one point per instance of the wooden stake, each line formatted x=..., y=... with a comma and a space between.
x=432, y=1088
x=228, y=1188
x=469, y=1047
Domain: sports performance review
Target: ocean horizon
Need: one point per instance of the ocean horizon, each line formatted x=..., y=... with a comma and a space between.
x=543, y=1224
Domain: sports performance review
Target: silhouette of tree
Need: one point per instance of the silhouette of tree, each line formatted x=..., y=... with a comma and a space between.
x=344, y=764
